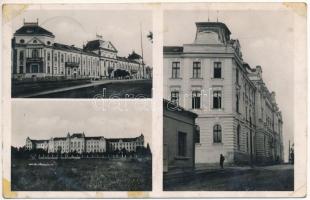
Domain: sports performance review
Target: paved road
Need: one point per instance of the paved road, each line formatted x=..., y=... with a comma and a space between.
x=269, y=178
x=113, y=89
x=93, y=83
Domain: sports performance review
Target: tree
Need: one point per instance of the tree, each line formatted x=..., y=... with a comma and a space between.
x=150, y=36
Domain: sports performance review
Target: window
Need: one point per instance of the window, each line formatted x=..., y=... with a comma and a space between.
x=21, y=57
x=22, y=41
x=21, y=69
x=196, y=70
x=34, y=41
x=217, y=99
x=197, y=134
x=175, y=69
x=28, y=69
x=48, y=42
x=217, y=134
x=237, y=76
x=247, y=142
x=238, y=137
x=237, y=103
x=62, y=58
x=175, y=97
x=55, y=57
x=246, y=113
x=181, y=144
x=217, y=71
x=35, y=53
x=196, y=100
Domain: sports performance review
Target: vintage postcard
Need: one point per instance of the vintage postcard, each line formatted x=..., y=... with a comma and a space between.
x=153, y=100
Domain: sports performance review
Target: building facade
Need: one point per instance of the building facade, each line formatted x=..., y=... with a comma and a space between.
x=35, y=53
x=79, y=143
x=210, y=78
x=179, y=132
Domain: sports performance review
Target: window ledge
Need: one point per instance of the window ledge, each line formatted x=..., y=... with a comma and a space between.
x=195, y=109
x=217, y=79
x=218, y=109
x=181, y=158
x=196, y=78
x=217, y=143
x=197, y=144
x=175, y=78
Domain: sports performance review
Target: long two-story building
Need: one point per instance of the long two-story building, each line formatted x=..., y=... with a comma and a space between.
x=35, y=53
x=210, y=78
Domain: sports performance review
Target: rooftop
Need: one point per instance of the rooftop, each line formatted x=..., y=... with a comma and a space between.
x=213, y=24
x=168, y=104
x=33, y=28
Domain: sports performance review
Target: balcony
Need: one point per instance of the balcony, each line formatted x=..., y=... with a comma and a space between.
x=72, y=64
x=34, y=59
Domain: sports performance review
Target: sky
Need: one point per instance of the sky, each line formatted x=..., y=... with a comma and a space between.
x=111, y=119
x=266, y=39
x=79, y=25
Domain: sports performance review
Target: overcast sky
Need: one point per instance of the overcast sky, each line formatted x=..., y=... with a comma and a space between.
x=266, y=39
x=76, y=26
x=112, y=119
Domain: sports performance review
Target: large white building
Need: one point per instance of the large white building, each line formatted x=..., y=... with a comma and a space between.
x=210, y=78
x=35, y=53
x=79, y=143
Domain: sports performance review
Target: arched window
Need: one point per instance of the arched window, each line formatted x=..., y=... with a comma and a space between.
x=217, y=133
x=238, y=136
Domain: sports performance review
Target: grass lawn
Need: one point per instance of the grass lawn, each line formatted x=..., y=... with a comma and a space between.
x=81, y=175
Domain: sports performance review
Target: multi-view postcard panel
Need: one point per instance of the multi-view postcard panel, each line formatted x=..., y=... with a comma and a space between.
x=68, y=55
x=79, y=146
x=222, y=116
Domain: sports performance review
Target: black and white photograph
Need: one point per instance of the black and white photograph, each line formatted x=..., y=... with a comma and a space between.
x=152, y=99
x=80, y=146
x=229, y=100
x=64, y=52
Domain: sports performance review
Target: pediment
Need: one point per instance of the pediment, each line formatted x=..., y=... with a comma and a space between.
x=109, y=46
x=35, y=41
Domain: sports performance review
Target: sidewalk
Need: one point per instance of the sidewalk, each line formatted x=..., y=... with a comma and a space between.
x=215, y=168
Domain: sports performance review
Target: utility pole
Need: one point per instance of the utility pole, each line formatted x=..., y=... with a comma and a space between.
x=141, y=49
x=289, y=151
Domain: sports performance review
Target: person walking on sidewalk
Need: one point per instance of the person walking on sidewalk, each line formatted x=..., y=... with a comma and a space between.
x=222, y=158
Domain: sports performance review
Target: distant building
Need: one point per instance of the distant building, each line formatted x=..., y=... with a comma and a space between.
x=36, y=54
x=237, y=115
x=79, y=143
x=179, y=137
x=130, y=144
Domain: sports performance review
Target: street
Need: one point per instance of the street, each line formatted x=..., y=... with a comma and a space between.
x=113, y=89
x=267, y=178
